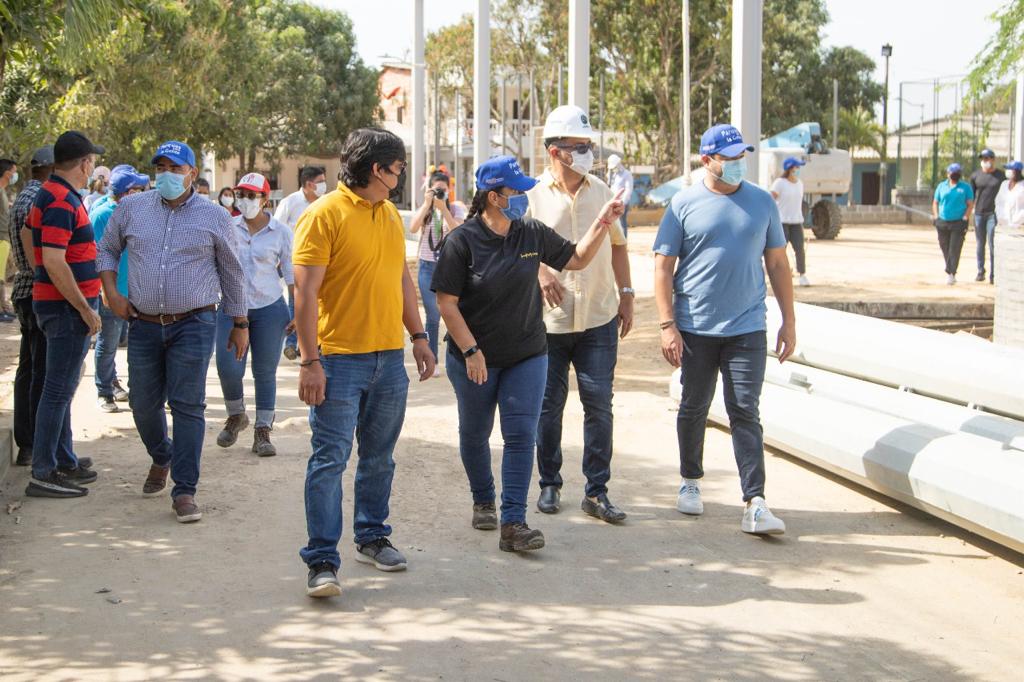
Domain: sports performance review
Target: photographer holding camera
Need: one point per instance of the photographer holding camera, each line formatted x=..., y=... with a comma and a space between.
x=436, y=218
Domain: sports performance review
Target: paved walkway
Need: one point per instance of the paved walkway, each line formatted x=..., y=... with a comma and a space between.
x=109, y=587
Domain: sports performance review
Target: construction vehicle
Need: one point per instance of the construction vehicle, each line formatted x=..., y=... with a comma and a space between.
x=827, y=174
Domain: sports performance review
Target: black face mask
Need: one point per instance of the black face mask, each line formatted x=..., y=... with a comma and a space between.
x=397, y=191
x=955, y=177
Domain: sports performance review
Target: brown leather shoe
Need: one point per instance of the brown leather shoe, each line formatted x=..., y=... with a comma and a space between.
x=156, y=481
x=518, y=537
x=185, y=509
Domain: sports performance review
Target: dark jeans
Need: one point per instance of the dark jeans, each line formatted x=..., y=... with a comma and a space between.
x=593, y=354
x=795, y=236
x=517, y=392
x=365, y=397
x=28, y=381
x=741, y=360
x=67, y=342
x=292, y=341
x=266, y=333
x=951, y=241
x=985, y=233
x=169, y=363
x=424, y=275
x=106, y=352
x=623, y=219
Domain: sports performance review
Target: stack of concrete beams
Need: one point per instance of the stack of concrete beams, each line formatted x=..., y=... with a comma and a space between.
x=931, y=419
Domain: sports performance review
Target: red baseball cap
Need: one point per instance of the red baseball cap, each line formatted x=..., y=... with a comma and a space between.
x=254, y=182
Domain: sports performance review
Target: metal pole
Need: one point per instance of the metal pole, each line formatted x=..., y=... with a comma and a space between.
x=920, y=149
x=482, y=83
x=579, y=53
x=457, y=146
x=835, y=113
x=559, y=98
x=419, y=102
x=504, y=119
x=533, y=112
x=899, y=143
x=711, y=100
x=600, y=108
x=1018, y=119
x=746, y=76
x=518, y=115
x=883, y=169
x=935, y=133
x=682, y=155
x=437, y=124
x=684, y=149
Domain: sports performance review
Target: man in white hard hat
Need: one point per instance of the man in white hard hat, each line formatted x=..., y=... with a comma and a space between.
x=588, y=311
x=619, y=177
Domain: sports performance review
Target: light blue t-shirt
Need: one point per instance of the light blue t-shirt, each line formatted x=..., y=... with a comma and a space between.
x=953, y=199
x=99, y=216
x=720, y=241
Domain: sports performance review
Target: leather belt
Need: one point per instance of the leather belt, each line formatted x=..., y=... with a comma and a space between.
x=164, y=320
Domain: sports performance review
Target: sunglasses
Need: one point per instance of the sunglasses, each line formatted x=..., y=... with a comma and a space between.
x=579, y=148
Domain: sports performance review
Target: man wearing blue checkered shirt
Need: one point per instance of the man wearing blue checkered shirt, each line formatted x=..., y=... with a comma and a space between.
x=182, y=261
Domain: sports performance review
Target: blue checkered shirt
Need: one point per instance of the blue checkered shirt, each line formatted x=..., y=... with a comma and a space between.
x=179, y=259
x=26, y=274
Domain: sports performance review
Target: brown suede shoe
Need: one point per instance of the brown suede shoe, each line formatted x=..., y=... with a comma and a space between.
x=518, y=537
x=185, y=509
x=156, y=481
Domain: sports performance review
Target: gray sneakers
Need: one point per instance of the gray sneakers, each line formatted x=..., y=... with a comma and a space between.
x=382, y=554
x=323, y=581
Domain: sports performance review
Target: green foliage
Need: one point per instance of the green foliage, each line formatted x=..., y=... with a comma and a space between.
x=1003, y=55
x=858, y=128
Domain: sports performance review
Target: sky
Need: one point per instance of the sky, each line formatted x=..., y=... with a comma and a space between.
x=930, y=38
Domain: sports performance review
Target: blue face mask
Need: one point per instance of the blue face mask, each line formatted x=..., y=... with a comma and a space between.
x=517, y=205
x=733, y=171
x=170, y=185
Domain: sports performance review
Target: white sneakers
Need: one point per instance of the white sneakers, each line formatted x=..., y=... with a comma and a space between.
x=689, y=501
x=951, y=279
x=759, y=520
x=803, y=281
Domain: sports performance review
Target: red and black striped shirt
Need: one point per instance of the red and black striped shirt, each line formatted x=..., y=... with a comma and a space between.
x=58, y=220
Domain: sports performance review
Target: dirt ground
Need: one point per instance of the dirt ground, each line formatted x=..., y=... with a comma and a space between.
x=109, y=587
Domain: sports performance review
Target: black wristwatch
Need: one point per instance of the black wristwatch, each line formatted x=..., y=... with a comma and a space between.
x=471, y=351
x=242, y=325
x=419, y=335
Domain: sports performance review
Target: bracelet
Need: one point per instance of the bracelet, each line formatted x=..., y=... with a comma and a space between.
x=471, y=351
x=307, y=363
x=419, y=335
x=668, y=323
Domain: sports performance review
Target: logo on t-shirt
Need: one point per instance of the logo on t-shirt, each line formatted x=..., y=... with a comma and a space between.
x=531, y=254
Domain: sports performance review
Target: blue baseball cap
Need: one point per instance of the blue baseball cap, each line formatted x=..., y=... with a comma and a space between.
x=953, y=168
x=1015, y=166
x=723, y=139
x=792, y=162
x=987, y=154
x=124, y=178
x=503, y=171
x=179, y=153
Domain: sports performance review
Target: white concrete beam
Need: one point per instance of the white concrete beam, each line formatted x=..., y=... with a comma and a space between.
x=419, y=103
x=746, y=76
x=481, y=84
x=579, y=54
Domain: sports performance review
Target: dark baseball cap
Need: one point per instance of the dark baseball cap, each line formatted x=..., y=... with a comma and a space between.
x=73, y=145
x=42, y=157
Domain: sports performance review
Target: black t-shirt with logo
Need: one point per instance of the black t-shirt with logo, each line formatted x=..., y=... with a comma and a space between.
x=495, y=279
x=986, y=187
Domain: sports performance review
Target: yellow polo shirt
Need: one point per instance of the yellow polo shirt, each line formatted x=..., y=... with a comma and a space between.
x=362, y=246
x=592, y=296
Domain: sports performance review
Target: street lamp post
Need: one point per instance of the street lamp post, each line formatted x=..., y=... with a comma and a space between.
x=883, y=166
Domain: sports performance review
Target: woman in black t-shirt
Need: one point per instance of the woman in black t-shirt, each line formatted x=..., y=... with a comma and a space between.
x=486, y=284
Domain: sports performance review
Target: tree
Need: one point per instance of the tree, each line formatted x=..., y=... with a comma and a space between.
x=858, y=129
x=1003, y=54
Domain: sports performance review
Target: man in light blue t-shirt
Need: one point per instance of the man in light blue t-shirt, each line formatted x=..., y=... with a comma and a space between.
x=951, y=205
x=710, y=290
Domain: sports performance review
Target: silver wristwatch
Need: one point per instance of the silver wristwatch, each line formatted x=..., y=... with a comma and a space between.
x=628, y=290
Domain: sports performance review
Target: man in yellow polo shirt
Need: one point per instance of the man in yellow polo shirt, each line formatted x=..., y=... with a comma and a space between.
x=588, y=312
x=353, y=294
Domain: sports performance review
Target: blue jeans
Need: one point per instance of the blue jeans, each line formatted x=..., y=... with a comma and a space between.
x=106, y=352
x=624, y=219
x=593, y=353
x=741, y=360
x=67, y=342
x=266, y=333
x=424, y=274
x=517, y=391
x=293, y=339
x=169, y=363
x=365, y=396
x=985, y=232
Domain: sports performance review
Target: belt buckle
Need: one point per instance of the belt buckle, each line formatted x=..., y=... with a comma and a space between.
x=161, y=317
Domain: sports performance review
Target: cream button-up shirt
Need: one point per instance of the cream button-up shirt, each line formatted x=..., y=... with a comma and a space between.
x=592, y=296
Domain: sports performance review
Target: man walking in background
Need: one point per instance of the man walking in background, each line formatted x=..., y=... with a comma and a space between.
x=619, y=177
x=8, y=176
x=985, y=183
x=950, y=207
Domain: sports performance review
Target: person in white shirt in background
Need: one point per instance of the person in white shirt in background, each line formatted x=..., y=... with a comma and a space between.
x=436, y=218
x=312, y=186
x=788, y=192
x=1010, y=199
x=619, y=177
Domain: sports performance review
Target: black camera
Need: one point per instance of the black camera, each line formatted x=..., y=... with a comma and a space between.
x=440, y=193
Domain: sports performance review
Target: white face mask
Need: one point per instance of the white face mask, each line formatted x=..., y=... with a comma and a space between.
x=321, y=189
x=582, y=163
x=227, y=201
x=250, y=208
x=14, y=177
x=986, y=165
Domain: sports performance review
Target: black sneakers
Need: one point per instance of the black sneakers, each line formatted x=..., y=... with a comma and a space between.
x=323, y=581
x=79, y=475
x=55, y=485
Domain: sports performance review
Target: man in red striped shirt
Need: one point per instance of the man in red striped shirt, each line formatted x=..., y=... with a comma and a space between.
x=64, y=299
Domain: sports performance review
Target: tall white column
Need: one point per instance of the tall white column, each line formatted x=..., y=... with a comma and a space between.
x=746, y=76
x=685, y=151
x=1018, y=119
x=419, y=103
x=579, y=54
x=481, y=84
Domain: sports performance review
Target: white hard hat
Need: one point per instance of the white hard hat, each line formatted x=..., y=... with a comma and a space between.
x=567, y=121
x=614, y=161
